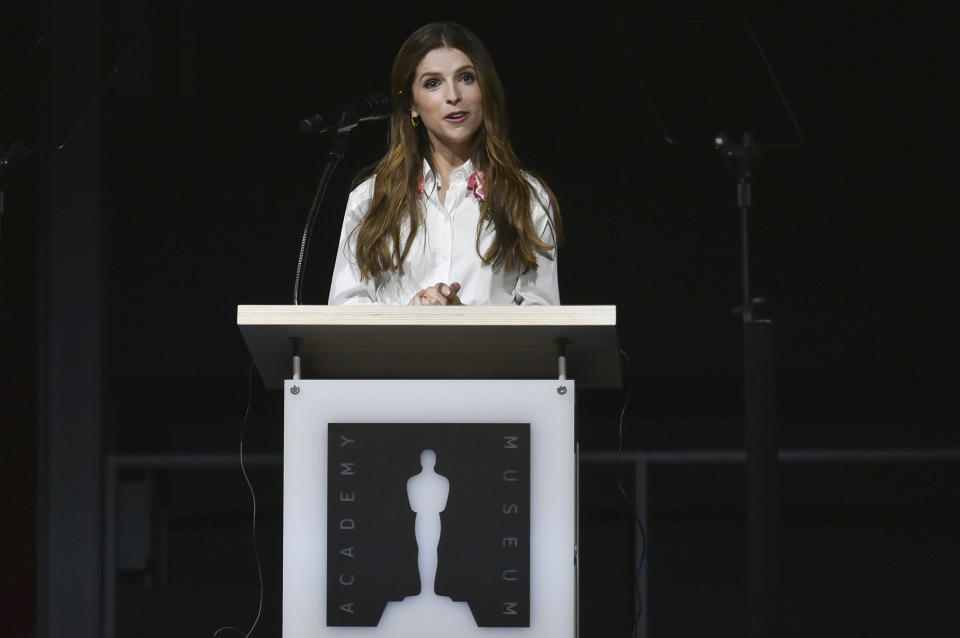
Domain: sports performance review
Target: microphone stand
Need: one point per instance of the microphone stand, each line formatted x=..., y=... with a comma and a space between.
x=349, y=119
x=337, y=150
x=760, y=412
x=740, y=159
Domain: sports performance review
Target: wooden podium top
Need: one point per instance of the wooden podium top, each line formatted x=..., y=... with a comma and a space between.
x=431, y=342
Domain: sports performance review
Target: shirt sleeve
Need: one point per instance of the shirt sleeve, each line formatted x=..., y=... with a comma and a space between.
x=346, y=286
x=541, y=287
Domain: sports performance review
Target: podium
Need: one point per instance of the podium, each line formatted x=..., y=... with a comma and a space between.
x=430, y=471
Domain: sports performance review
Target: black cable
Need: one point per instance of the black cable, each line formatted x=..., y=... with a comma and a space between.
x=626, y=497
x=253, y=498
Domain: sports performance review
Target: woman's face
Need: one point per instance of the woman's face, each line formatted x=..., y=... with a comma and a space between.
x=446, y=97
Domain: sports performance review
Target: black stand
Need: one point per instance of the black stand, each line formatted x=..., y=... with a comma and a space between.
x=334, y=155
x=374, y=107
x=760, y=399
x=723, y=65
x=760, y=412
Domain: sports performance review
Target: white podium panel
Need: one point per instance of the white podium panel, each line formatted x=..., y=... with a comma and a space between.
x=450, y=411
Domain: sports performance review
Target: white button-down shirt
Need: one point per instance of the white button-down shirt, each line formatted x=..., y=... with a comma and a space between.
x=445, y=250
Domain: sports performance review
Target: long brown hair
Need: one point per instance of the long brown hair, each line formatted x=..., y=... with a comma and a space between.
x=396, y=193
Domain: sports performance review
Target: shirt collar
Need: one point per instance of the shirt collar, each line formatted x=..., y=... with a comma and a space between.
x=461, y=173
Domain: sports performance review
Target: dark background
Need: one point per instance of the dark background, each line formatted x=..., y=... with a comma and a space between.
x=204, y=183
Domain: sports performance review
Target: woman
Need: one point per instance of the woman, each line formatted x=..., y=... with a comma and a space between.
x=447, y=217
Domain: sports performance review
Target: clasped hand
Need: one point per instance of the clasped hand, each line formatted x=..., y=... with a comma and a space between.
x=439, y=294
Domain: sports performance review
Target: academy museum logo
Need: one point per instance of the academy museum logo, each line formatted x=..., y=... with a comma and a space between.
x=428, y=520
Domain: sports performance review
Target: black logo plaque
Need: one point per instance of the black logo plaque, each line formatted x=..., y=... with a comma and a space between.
x=483, y=556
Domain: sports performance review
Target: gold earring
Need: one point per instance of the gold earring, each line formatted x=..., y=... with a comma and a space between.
x=413, y=120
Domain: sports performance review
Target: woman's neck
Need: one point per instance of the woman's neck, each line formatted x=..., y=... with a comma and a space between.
x=445, y=159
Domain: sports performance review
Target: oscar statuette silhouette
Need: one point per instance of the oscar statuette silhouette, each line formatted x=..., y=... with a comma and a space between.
x=427, y=615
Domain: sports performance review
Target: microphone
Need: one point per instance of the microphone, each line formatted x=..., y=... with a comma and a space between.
x=373, y=107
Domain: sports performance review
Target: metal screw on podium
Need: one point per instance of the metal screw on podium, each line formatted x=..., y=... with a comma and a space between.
x=562, y=389
x=294, y=389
